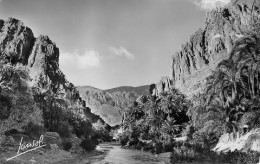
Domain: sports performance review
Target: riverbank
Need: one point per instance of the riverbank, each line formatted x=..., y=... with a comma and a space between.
x=105, y=153
x=46, y=156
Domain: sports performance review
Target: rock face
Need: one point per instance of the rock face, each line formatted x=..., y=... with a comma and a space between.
x=207, y=47
x=16, y=41
x=110, y=104
x=164, y=85
x=41, y=57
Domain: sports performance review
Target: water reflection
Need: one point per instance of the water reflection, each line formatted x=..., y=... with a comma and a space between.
x=118, y=155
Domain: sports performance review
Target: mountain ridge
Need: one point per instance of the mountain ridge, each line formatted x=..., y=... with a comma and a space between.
x=110, y=104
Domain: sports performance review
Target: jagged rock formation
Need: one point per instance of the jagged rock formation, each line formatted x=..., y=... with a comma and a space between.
x=41, y=57
x=164, y=85
x=16, y=41
x=110, y=104
x=207, y=47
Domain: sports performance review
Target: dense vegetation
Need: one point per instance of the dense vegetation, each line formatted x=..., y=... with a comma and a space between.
x=17, y=107
x=230, y=102
x=155, y=121
x=32, y=111
x=231, y=99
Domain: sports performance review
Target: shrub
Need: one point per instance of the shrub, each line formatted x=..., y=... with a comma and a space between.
x=252, y=119
x=67, y=145
x=82, y=128
x=168, y=147
x=34, y=130
x=64, y=130
x=5, y=107
x=195, y=153
x=89, y=144
x=123, y=139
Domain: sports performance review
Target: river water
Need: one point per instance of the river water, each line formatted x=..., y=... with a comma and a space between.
x=115, y=154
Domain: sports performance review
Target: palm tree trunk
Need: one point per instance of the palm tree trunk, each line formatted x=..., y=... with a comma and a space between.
x=234, y=93
x=252, y=84
x=252, y=10
x=257, y=83
x=249, y=85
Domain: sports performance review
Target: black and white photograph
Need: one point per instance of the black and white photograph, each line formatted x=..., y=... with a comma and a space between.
x=129, y=81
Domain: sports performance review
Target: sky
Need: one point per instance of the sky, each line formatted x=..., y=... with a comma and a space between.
x=112, y=43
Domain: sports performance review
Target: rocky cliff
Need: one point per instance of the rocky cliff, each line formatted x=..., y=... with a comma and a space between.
x=164, y=85
x=41, y=56
x=110, y=104
x=208, y=46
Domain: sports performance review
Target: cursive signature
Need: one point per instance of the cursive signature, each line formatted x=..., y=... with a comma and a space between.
x=28, y=147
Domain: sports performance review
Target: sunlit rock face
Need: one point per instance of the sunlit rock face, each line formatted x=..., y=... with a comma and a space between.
x=16, y=41
x=164, y=85
x=208, y=46
x=41, y=56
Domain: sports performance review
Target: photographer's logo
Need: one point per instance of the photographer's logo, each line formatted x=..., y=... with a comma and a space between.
x=27, y=147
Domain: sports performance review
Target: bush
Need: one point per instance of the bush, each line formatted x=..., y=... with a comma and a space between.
x=89, y=144
x=82, y=128
x=123, y=139
x=64, y=130
x=34, y=130
x=251, y=157
x=168, y=147
x=67, y=145
x=195, y=153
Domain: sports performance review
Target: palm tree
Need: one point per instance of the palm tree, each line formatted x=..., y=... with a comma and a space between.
x=236, y=81
x=223, y=84
x=170, y=128
x=151, y=106
x=173, y=104
x=246, y=56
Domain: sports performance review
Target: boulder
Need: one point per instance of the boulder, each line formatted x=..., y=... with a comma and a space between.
x=51, y=138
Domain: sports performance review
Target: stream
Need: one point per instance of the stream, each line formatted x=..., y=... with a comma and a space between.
x=115, y=154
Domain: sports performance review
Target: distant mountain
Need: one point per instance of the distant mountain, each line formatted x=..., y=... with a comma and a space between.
x=141, y=90
x=110, y=104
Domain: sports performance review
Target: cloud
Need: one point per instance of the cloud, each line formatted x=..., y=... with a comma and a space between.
x=211, y=4
x=121, y=51
x=89, y=59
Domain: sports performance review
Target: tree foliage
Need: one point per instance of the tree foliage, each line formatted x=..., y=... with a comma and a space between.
x=17, y=105
x=232, y=96
x=158, y=119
